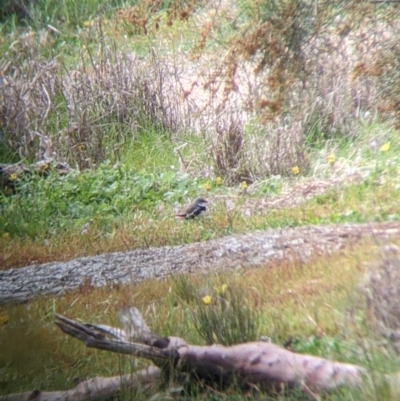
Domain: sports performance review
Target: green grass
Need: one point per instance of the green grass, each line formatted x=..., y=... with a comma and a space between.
x=151, y=152
x=49, y=206
x=65, y=16
x=306, y=304
x=131, y=180
x=124, y=203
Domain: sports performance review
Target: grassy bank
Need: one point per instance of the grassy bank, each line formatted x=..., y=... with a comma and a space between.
x=280, y=113
x=306, y=305
x=121, y=207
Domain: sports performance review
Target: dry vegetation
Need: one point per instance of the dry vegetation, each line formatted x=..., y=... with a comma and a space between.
x=301, y=73
x=309, y=307
x=238, y=93
x=381, y=287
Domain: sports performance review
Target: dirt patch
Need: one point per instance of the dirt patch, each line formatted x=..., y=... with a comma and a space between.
x=291, y=194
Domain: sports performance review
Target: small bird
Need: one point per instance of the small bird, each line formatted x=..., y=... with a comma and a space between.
x=196, y=208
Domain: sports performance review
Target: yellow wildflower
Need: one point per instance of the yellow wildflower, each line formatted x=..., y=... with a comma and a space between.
x=243, y=186
x=331, y=158
x=206, y=300
x=206, y=186
x=13, y=177
x=221, y=290
x=295, y=170
x=385, y=147
x=4, y=317
x=218, y=180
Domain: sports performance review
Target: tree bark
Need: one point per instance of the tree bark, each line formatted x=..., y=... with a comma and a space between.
x=259, y=248
x=257, y=363
x=260, y=364
x=99, y=388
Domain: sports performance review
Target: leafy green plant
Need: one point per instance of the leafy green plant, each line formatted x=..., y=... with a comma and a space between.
x=47, y=206
x=69, y=13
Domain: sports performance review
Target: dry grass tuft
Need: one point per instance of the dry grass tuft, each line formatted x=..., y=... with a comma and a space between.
x=227, y=151
x=255, y=118
x=382, y=288
x=300, y=75
x=146, y=15
x=50, y=110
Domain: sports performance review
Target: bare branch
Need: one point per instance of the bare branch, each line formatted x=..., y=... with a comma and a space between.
x=98, y=388
x=250, y=365
x=94, y=336
x=264, y=364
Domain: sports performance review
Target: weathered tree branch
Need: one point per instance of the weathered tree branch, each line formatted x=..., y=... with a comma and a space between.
x=97, y=336
x=257, y=363
x=253, y=249
x=96, y=389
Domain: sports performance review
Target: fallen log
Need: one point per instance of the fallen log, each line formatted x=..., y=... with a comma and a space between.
x=256, y=363
x=96, y=389
x=249, y=365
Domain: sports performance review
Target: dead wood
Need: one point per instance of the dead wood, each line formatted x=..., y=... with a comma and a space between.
x=98, y=388
x=116, y=340
x=259, y=248
x=258, y=363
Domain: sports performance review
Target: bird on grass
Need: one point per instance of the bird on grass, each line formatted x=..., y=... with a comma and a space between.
x=196, y=208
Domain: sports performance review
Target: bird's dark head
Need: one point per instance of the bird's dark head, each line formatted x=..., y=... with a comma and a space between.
x=201, y=201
